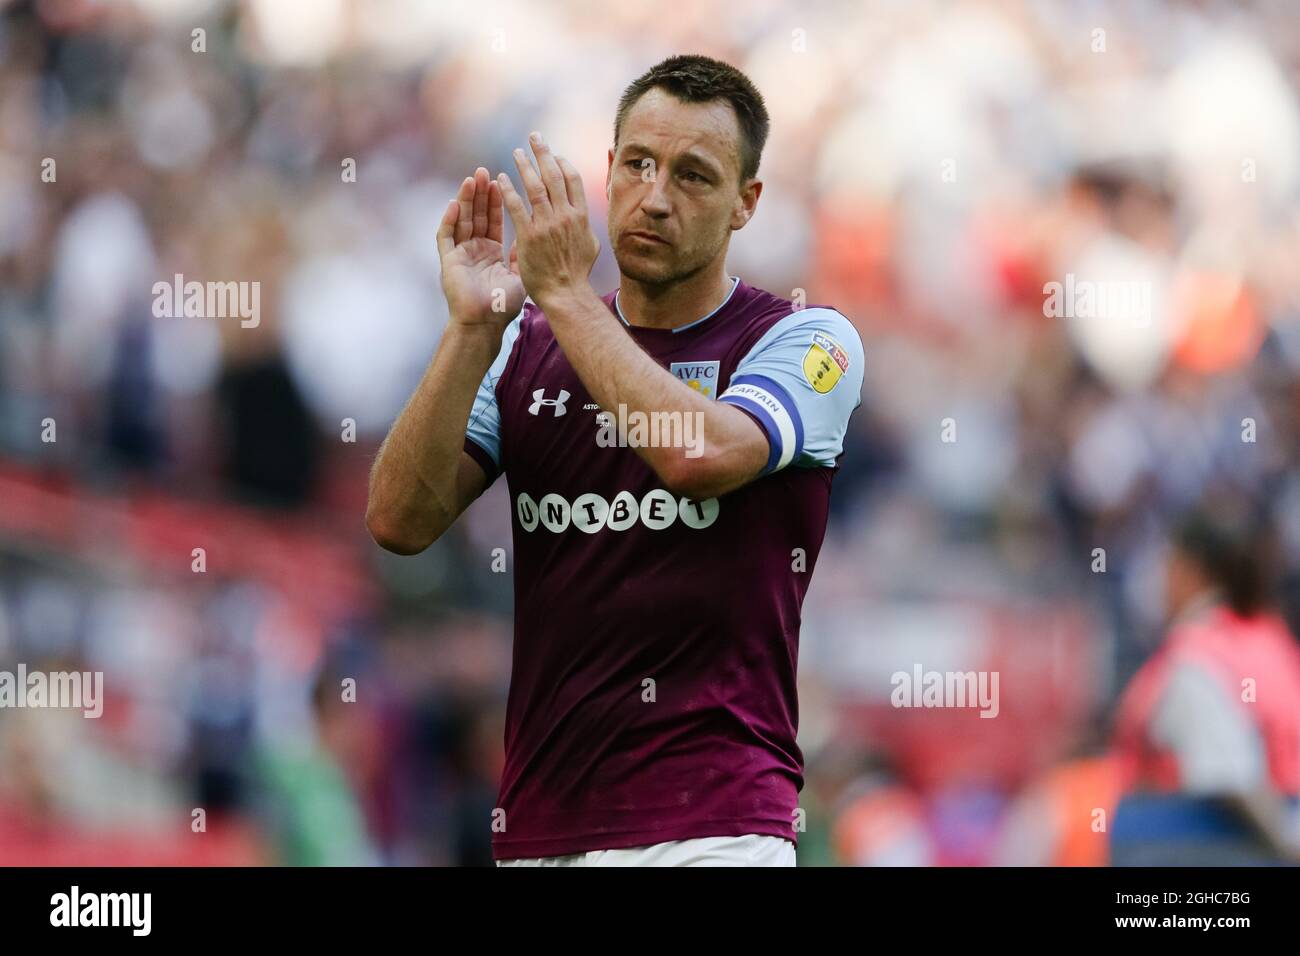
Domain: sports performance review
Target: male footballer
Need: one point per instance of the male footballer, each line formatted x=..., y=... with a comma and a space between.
x=652, y=711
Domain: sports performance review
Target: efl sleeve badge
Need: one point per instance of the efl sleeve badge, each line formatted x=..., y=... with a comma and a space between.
x=824, y=363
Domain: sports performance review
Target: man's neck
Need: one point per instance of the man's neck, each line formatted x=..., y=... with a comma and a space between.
x=675, y=305
x=1198, y=604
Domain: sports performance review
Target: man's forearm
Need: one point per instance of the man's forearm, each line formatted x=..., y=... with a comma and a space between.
x=413, y=486
x=1268, y=814
x=618, y=372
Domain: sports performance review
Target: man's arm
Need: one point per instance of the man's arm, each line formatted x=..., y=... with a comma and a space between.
x=422, y=478
x=557, y=250
x=733, y=449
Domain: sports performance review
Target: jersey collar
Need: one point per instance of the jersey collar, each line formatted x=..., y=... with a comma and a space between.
x=735, y=284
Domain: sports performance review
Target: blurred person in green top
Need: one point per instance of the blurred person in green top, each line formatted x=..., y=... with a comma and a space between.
x=308, y=791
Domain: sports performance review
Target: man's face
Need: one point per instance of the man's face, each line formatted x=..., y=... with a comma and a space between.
x=1184, y=580
x=676, y=175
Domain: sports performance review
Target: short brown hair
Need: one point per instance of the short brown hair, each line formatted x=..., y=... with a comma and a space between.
x=1233, y=542
x=698, y=79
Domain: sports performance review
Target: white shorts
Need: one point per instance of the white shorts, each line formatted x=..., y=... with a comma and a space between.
x=753, y=849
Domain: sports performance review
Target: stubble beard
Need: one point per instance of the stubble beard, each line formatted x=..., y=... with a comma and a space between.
x=669, y=274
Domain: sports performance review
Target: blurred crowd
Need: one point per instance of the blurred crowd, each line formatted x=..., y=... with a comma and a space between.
x=1007, y=487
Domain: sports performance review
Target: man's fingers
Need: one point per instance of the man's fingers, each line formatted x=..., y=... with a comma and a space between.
x=533, y=185
x=496, y=215
x=549, y=170
x=573, y=184
x=465, y=224
x=446, y=239
x=481, y=180
x=514, y=203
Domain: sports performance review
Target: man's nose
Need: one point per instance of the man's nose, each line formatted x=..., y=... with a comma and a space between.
x=655, y=201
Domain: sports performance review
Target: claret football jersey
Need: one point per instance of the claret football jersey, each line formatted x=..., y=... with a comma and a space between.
x=652, y=692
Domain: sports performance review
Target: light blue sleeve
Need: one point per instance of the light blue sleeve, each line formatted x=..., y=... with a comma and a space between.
x=484, y=428
x=801, y=381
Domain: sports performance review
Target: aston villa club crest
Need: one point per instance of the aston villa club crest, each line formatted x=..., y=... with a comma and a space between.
x=701, y=376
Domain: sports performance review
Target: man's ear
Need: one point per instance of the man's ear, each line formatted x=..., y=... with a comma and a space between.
x=746, y=204
x=609, y=177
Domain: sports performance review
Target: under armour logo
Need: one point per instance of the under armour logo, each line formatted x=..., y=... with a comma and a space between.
x=556, y=403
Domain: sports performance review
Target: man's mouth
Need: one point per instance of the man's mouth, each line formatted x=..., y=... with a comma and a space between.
x=647, y=236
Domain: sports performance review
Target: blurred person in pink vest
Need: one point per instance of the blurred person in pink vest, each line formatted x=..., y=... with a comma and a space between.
x=1208, y=731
